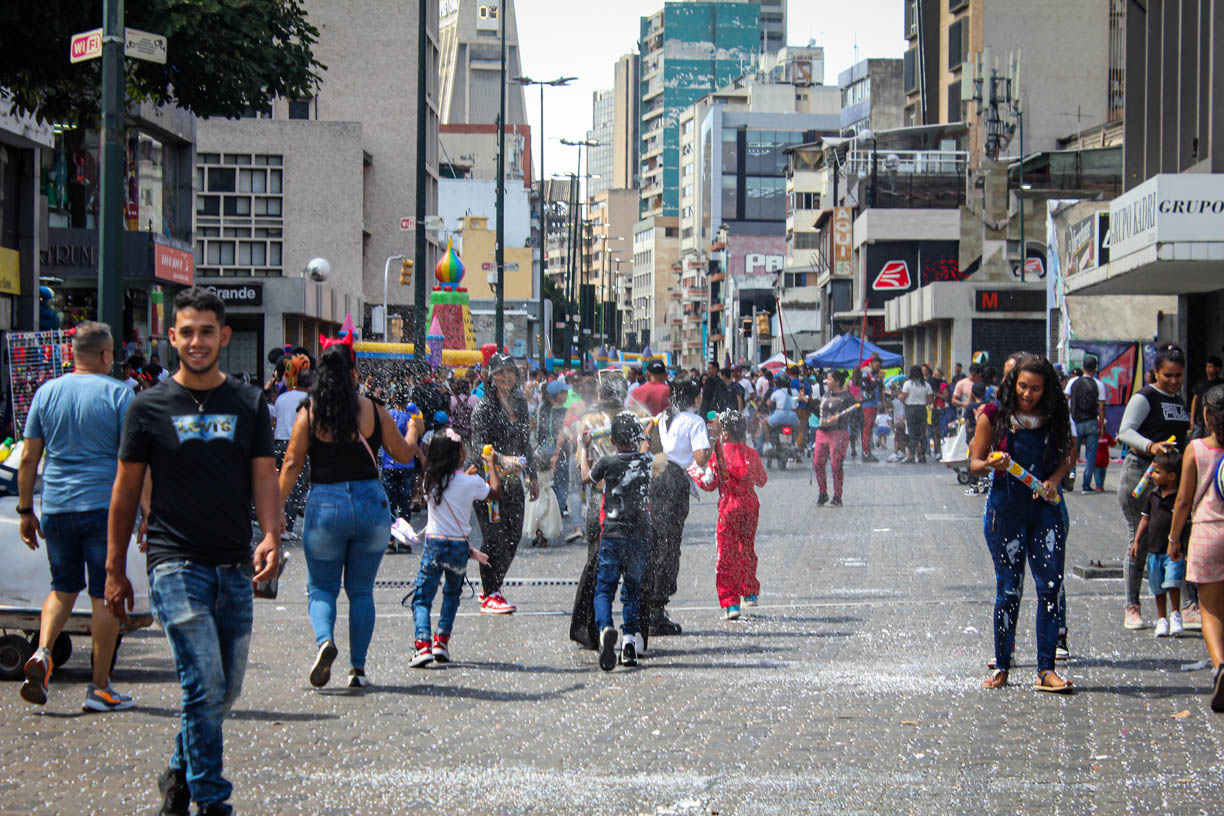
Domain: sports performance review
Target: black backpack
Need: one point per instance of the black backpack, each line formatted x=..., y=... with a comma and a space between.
x=1084, y=399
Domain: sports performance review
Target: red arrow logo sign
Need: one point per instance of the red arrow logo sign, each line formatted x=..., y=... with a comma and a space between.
x=894, y=275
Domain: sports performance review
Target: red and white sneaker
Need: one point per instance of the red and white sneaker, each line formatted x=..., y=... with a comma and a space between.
x=424, y=655
x=496, y=604
x=441, y=648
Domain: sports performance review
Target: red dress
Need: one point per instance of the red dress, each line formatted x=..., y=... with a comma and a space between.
x=738, y=511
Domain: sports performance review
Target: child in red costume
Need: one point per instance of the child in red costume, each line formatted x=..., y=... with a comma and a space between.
x=735, y=471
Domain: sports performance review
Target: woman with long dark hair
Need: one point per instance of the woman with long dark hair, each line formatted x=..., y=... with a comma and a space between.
x=832, y=436
x=1151, y=417
x=916, y=394
x=347, y=520
x=503, y=420
x=1031, y=426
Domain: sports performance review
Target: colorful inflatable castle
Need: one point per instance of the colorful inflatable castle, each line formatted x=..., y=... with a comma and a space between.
x=449, y=304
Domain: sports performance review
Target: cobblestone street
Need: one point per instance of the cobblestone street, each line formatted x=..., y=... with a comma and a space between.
x=853, y=688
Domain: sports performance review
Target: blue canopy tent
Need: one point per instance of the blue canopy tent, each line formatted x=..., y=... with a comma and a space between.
x=847, y=351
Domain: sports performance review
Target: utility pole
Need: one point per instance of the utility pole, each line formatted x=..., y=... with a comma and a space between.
x=110, y=237
x=500, y=324
x=420, y=308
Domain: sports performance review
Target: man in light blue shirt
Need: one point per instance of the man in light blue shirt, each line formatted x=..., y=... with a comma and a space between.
x=77, y=419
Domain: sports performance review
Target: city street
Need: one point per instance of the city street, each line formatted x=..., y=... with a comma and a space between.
x=853, y=688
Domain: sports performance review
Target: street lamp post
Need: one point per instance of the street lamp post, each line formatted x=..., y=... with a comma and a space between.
x=579, y=234
x=544, y=210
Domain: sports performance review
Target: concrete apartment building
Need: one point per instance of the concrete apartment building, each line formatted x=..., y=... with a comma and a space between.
x=347, y=175
x=612, y=215
x=626, y=122
x=872, y=96
x=470, y=63
x=656, y=257
x=599, y=157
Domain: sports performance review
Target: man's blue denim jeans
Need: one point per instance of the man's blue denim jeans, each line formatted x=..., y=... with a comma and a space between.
x=1088, y=433
x=444, y=560
x=347, y=527
x=617, y=556
x=206, y=614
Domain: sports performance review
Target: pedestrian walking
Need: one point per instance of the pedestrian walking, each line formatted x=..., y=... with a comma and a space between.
x=1100, y=463
x=735, y=471
x=284, y=411
x=1200, y=500
x=1165, y=574
x=684, y=440
x=832, y=436
x=1152, y=417
x=449, y=494
x=399, y=478
x=502, y=419
x=348, y=518
x=1030, y=425
x=1086, y=397
x=917, y=395
x=1211, y=379
x=76, y=421
x=205, y=440
x=623, y=479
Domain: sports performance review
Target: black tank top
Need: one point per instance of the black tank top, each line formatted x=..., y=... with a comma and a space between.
x=1167, y=416
x=333, y=462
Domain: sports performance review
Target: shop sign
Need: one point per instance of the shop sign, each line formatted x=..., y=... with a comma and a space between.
x=173, y=265
x=895, y=267
x=238, y=294
x=843, y=229
x=1165, y=208
x=10, y=271
x=754, y=261
x=1009, y=300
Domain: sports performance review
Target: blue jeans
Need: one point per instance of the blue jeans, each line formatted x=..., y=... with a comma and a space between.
x=76, y=546
x=1024, y=528
x=345, y=534
x=1097, y=471
x=617, y=557
x=561, y=482
x=1088, y=433
x=442, y=557
x=206, y=614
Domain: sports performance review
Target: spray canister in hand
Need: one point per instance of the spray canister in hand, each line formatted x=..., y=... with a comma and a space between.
x=1145, y=481
x=494, y=506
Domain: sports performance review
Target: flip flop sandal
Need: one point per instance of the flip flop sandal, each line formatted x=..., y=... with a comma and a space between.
x=992, y=682
x=1040, y=685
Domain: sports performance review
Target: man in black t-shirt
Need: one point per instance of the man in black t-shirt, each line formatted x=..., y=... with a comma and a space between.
x=1204, y=385
x=206, y=442
x=713, y=392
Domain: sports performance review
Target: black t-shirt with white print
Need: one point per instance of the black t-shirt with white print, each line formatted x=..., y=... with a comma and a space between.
x=198, y=446
x=625, y=511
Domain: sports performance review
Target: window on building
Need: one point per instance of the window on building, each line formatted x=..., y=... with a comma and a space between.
x=299, y=108
x=670, y=232
x=807, y=240
x=730, y=211
x=956, y=37
x=729, y=162
x=239, y=197
x=909, y=70
x=687, y=191
x=793, y=279
x=954, y=101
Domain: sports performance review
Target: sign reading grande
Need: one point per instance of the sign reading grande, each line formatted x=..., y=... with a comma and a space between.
x=238, y=294
x=1165, y=208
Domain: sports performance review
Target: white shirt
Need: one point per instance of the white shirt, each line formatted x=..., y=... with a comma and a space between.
x=131, y=382
x=285, y=412
x=686, y=434
x=785, y=399
x=762, y=386
x=882, y=421
x=916, y=393
x=453, y=517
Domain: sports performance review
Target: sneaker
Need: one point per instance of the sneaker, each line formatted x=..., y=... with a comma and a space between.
x=750, y=600
x=496, y=604
x=176, y=798
x=662, y=626
x=37, y=675
x=1133, y=619
x=358, y=678
x=1192, y=618
x=607, y=648
x=835, y=501
x=1217, y=694
x=1061, y=652
x=639, y=643
x=215, y=809
x=423, y=656
x=823, y=498
x=320, y=672
x=731, y=612
x=628, y=654
x=1162, y=627
x=441, y=648
x=106, y=699
x=1175, y=624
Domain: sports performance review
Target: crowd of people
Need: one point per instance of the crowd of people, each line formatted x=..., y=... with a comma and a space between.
x=342, y=464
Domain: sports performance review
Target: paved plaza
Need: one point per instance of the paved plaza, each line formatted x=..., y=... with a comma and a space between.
x=852, y=689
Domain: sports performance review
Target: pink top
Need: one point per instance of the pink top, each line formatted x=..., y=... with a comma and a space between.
x=1207, y=505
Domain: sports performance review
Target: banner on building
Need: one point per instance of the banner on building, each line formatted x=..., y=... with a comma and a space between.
x=843, y=241
x=755, y=261
x=893, y=268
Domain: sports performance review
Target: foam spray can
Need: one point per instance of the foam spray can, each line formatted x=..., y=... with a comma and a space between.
x=494, y=506
x=1145, y=481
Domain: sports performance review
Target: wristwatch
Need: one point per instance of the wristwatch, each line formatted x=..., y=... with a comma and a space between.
x=25, y=511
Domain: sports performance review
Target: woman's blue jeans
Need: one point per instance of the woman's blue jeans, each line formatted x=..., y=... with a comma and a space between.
x=444, y=560
x=344, y=537
x=206, y=612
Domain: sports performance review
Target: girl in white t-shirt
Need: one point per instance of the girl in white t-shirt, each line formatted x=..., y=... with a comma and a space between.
x=449, y=494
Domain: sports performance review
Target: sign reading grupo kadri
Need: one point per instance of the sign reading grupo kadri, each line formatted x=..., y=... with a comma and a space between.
x=1167, y=207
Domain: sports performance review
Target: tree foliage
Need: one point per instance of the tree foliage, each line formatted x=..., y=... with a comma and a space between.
x=224, y=56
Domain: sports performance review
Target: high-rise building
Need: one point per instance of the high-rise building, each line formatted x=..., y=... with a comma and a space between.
x=773, y=25
x=600, y=156
x=626, y=122
x=689, y=49
x=470, y=67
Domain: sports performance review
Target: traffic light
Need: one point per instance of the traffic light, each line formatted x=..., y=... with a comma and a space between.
x=763, y=329
x=405, y=272
x=746, y=327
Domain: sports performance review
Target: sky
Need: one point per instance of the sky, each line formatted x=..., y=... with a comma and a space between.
x=583, y=38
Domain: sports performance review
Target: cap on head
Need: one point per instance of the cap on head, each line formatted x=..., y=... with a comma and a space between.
x=656, y=367
x=501, y=361
x=556, y=387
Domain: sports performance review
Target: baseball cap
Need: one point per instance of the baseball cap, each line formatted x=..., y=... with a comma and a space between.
x=556, y=387
x=656, y=367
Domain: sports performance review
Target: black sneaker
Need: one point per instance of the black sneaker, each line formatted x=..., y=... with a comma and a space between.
x=320, y=673
x=607, y=649
x=662, y=626
x=628, y=655
x=835, y=501
x=215, y=809
x=823, y=498
x=176, y=798
x=1217, y=696
x=358, y=678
